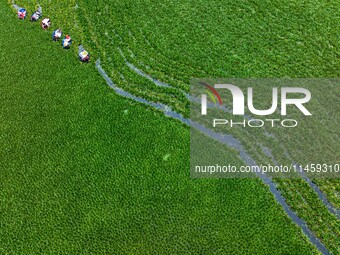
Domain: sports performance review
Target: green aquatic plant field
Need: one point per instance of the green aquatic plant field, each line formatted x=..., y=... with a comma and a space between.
x=174, y=41
x=84, y=171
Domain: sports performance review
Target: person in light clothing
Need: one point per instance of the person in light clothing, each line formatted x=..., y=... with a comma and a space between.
x=84, y=56
x=35, y=16
x=56, y=35
x=46, y=23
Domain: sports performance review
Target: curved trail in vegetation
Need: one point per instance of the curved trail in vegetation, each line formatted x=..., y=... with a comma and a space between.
x=230, y=141
x=331, y=208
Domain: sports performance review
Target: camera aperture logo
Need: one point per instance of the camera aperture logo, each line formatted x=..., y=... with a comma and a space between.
x=238, y=105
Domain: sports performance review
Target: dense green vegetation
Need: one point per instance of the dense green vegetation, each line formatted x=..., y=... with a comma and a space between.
x=174, y=41
x=84, y=171
x=303, y=146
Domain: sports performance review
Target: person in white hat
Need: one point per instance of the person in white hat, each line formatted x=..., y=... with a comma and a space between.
x=46, y=23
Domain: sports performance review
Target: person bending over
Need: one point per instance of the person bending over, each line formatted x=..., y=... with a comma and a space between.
x=35, y=16
x=22, y=13
x=46, y=23
x=67, y=41
x=84, y=56
x=56, y=35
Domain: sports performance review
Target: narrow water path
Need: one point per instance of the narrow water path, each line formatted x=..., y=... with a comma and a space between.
x=230, y=141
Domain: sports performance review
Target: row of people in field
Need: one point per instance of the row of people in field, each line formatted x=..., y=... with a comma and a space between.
x=46, y=23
